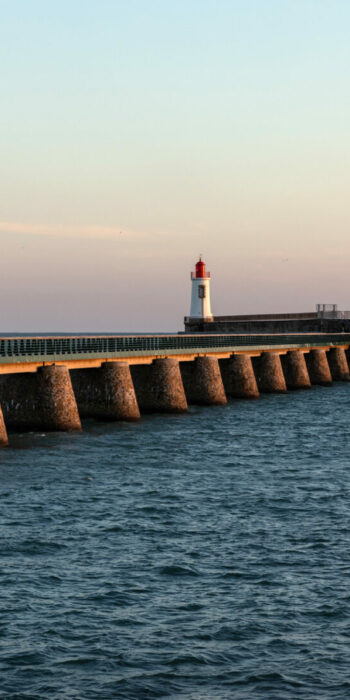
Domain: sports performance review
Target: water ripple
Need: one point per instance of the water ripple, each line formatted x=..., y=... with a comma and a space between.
x=199, y=556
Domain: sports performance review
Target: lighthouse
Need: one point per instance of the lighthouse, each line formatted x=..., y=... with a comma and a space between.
x=200, y=299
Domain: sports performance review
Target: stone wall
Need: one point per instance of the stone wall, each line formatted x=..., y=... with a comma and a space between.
x=290, y=325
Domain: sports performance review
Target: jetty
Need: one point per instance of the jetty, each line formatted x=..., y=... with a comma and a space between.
x=51, y=383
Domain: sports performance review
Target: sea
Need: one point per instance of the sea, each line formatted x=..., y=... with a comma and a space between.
x=196, y=556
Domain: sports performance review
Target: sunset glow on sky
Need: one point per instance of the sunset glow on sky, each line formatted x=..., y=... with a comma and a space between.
x=136, y=135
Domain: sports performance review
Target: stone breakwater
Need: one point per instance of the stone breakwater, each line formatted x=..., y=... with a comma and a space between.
x=54, y=397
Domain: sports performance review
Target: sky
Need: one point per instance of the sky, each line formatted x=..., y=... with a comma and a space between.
x=136, y=134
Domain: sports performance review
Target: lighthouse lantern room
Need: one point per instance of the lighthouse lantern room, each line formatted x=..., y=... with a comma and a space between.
x=200, y=299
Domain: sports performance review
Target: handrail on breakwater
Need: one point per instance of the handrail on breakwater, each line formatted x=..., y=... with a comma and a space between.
x=26, y=348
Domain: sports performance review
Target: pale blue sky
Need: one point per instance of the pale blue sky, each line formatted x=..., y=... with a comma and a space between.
x=136, y=134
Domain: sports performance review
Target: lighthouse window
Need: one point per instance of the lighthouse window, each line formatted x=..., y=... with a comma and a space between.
x=201, y=291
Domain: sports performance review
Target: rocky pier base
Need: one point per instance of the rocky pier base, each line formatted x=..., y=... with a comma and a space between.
x=41, y=400
x=203, y=382
x=57, y=404
x=159, y=387
x=106, y=393
x=295, y=370
x=318, y=367
x=338, y=365
x=269, y=373
x=239, y=378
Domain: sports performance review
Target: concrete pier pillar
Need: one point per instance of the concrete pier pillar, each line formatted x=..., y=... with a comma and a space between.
x=3, y=432
x=57, y=404
x=106, y=393
x=239, y=378
x=269, y=373
x=203, y=382
x=159, y=387
x=338, y=365
x=118, y=393
x=295, y=370
x=318, y=367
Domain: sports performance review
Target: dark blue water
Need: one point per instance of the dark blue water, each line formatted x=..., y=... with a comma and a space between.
x=200, y=556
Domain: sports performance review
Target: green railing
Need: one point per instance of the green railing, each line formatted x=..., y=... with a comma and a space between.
x=29, y=349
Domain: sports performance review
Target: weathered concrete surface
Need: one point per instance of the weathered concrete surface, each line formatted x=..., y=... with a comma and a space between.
x=106, y=393
x=269, y=374
x=295, y=370
x=203, y=382
x=3, y=432
x=42, y=400
x=318, y=367
x=159, y=387
x=338, y=365
x=239, y=378
x=57, y=402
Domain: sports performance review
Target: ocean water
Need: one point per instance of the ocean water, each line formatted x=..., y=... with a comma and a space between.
x=197, y=556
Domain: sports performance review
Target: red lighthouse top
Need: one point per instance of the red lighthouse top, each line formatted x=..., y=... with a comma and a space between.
x=200, y=268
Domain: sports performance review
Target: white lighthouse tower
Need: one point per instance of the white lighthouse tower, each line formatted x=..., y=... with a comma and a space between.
x=200, y=299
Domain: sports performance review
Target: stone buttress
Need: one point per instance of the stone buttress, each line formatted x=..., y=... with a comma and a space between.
x=338, y=365
x=295, y=370
x=238, y=377
x=41, y=400
x=106, y=393
x=318, y=367
x=203, y=382
x=159, y=387
x=57, y=404
x=269, y=373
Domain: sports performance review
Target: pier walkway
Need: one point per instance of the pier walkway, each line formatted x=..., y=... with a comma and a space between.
x=26, y=353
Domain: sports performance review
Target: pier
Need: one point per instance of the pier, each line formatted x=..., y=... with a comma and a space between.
x=51, y=383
